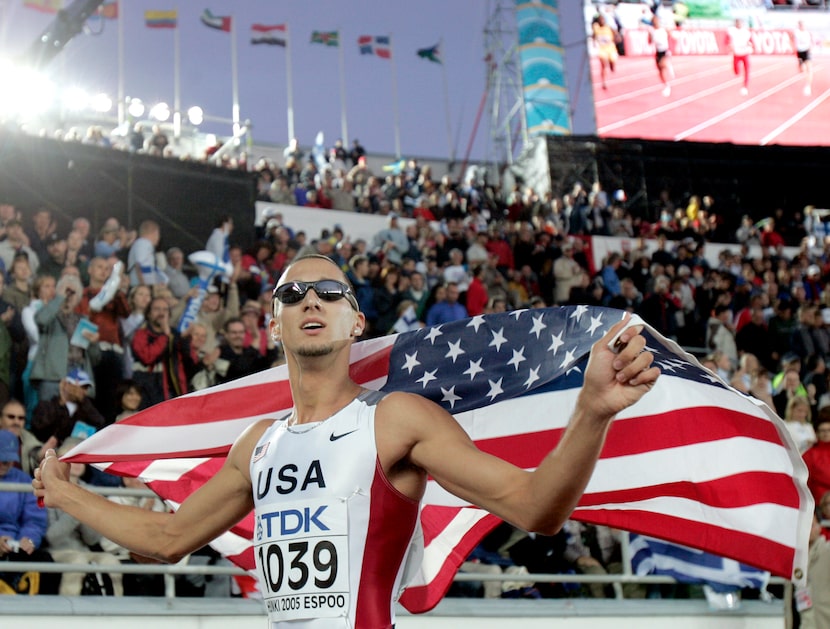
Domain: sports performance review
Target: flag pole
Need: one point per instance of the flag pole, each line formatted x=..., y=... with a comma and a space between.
x=234, y=80
x=344, y=128
x=447, y=105
x=177, y=111
x=122, y=106
x=395, y=101
x=288, y=87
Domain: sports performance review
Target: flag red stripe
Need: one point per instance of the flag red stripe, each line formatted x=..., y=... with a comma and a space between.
x=750, y=549
x=264, y=28
x=252, y=399
x=648, y=433
x=755, y=488
x=383, y=53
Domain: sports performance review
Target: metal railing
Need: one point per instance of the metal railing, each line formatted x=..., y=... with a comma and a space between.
x=170, y=571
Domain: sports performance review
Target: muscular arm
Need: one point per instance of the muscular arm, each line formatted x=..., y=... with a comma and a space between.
x=219, y=504
x=535, y=501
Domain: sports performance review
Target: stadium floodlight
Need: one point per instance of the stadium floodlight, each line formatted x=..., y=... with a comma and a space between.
x=195, y=115
x=101, y=103
x=23, y=91
x=135, y=107
x=160, y=112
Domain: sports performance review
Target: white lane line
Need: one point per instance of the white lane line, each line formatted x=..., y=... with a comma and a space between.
x=675, y=104
x=737, y=109
x=787, y=124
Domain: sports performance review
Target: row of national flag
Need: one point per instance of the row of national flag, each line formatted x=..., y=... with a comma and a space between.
x=273, y=35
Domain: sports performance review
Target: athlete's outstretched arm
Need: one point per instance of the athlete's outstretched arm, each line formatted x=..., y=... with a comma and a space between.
x=543, y=499
x=219, y=504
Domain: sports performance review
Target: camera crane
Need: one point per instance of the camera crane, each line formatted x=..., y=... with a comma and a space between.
x=68, y=23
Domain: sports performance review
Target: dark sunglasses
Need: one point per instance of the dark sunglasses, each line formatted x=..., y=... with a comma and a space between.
x=327, y=290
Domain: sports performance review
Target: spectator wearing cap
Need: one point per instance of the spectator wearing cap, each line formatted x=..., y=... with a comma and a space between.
x=56, y=353
x=178, y=281
x=789, y=362
x=21, y=522
x=16, y=243
x=70, y=412
x=31, y=450
x=55, y=261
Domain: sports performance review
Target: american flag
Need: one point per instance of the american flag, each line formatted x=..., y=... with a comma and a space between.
x=693, y=462
x=379, y=46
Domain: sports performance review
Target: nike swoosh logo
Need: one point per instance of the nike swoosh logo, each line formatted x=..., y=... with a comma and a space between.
x=334, y=437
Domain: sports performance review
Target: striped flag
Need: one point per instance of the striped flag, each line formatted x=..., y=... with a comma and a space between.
x=694, y=461
x=161, y=19
x=271, y=35
x=433, y=53
x=687, y=565
x=378, y=46
x=219, y=22
x=327, y=38
x=44, y=6
x=107, y=11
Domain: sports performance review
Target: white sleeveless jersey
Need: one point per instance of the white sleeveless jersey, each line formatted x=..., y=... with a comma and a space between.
x=331, y=533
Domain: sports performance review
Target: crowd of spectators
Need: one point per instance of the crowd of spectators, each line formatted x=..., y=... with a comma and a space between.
x=71, y=365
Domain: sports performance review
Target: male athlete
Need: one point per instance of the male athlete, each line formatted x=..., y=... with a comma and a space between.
x=803, y=42
x=336, y=486
x=740, y=43
x=659, y=36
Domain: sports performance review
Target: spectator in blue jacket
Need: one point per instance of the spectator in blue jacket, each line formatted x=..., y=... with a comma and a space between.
x=448, y=309
x=22, y=526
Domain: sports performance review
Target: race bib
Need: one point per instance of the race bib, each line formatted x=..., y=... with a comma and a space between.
x=302, y=559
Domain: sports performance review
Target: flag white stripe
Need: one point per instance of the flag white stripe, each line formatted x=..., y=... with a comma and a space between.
x=773, y=522
x=449, y=537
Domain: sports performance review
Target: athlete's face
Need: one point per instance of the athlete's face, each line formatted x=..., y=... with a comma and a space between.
x=313, y=326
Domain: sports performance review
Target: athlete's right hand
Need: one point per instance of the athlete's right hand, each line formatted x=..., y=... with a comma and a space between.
x=48, y=477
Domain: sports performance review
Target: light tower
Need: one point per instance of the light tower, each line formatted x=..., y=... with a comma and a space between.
x=504, y=97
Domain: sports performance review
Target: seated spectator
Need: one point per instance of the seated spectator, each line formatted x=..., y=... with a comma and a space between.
x=129, y=398
x=22, y=527
x=387, y=297
x=209, y=367
x=69, y=413
x=213, y=313
x=242, y=361
x=791, y=387
x=817, y=458
x=162, y=357
x=448, y=309
x=177, y=280
x=797, y=417
x=72, y=542
x=31, y=450
x=256, y=335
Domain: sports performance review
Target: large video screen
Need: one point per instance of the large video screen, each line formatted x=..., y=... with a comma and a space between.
x=731, y=70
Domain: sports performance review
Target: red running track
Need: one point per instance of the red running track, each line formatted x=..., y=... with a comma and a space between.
x=706, y=105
